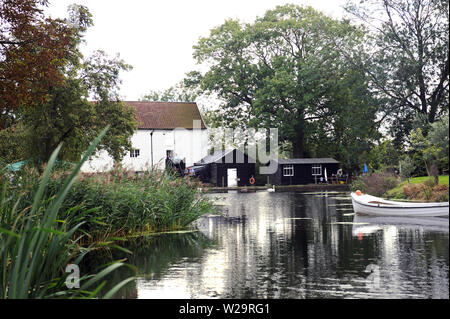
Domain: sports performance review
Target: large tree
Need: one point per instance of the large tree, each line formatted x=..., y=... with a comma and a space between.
x=408, y=62
x=69, y=118
x=178, y=93
x=33, y=52
x=288, y=70
x=432, y=149
x=67, y=115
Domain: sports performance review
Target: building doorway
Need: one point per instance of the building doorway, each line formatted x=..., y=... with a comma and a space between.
x=231, y=177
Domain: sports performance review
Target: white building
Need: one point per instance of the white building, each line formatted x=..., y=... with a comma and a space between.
x=163, y=127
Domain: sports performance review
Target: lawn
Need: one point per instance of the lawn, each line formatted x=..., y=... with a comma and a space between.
x=397, y=192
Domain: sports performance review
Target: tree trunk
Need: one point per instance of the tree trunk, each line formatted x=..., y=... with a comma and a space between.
x=298, y=147
x=434, y=171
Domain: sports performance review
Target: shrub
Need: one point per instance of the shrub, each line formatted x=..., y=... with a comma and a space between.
x=376, y=184
x=440, y=193
x=426, y=191
x=413, y=191
x=407, y=167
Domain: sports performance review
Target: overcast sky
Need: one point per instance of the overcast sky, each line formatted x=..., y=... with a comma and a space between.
x=156, y=37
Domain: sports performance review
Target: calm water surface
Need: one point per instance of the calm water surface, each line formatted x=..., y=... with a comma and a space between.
x=294, y=245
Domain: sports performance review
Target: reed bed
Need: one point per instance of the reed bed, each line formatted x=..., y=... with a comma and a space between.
x=122, y=204
x=50, y=220
x=37, y=242
x=117, y=204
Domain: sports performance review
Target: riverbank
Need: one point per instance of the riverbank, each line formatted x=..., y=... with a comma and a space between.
x=421, y=189
x=281, y=188
x=60, y=216
x=389, y=185
x=117, y=204
x=286, y=245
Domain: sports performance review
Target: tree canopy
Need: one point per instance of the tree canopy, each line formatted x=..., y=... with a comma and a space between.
x=288, y=70
x=177, y=93
x=33, y=52
x=406, y=59
x=76, y=107
x=432, y=148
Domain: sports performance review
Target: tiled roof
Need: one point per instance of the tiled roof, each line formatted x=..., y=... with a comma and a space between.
x=166, y=115
x=307, y=161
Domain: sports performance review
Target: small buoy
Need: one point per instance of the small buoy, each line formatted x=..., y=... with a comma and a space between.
x=252, y=180
x=358, y=192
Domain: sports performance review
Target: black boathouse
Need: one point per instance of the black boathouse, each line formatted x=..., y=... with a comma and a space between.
x=300, y=171
x=226, y=168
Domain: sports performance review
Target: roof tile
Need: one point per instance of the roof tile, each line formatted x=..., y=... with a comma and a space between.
x=166, y=115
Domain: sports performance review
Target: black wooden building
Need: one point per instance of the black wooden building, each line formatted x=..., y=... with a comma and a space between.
x=299, y=171
x=226, y=168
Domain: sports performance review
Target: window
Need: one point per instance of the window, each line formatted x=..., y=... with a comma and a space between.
x=288, y=170
x=134, y=153
x=316, y=169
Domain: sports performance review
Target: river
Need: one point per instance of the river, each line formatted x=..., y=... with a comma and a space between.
x=293, y=245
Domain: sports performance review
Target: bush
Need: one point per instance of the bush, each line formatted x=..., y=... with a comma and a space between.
x=376, y=184
x=440, y=193
x=411, y=191
x=426, y=191
x=407, y=167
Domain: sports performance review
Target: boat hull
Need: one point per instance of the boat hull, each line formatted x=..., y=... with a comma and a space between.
x=362, y=205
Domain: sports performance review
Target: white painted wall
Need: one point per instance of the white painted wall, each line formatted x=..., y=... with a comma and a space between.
x=188, y=144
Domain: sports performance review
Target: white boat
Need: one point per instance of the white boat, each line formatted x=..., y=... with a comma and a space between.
x=371, y=205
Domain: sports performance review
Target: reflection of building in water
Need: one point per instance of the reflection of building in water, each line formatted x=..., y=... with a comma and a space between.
x=251, y=239
x=274, y=240
x=287, y=245
x=389, y=262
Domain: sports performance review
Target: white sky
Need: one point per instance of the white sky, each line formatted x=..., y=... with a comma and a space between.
x=156, y=37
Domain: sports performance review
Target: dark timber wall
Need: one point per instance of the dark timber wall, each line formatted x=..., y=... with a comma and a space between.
x=217, y=171
x=302, y=174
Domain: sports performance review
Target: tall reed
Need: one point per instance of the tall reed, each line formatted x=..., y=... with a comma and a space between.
x=36, y=245
x=120, y=203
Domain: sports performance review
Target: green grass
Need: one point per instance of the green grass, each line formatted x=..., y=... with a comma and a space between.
x=397, y=192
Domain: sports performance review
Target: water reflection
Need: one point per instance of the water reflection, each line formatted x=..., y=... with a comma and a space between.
x=291, y=245
x=154, y=258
